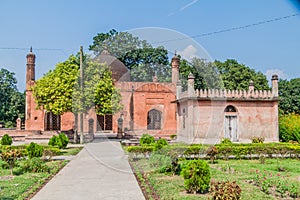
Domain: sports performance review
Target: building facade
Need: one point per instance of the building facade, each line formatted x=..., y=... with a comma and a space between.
x=162, y=109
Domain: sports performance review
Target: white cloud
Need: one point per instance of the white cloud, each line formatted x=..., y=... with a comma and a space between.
x=281, y=74
x=189, y=52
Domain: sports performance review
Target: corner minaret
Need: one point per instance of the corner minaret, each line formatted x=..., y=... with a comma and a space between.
x=175, y=68
x=30, y=69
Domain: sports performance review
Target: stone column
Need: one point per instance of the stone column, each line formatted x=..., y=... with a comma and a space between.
x=275, y=85
x=251, y=86
x=178, y=89
x=191, y=80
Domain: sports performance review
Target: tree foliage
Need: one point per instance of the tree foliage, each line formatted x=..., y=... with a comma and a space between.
x=54, y=91
x=12, y=102
x=289, y=127
x=59, y=91
x=107, y=97
x=289, y=94
x=237, y=76
x=143, y=60
x=206, y=74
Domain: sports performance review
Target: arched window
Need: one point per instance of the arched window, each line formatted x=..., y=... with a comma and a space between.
x=154, y=120
x=230, y=108
x=52, y=122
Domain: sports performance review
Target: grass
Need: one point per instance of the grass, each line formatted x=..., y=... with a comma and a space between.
x=22, y=186
x=70, y=151
x=25, y=185
x=168, y=186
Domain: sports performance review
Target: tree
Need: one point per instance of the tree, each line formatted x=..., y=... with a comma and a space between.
x=143, y=60
x=237, y=76
x=54, y=91
x=289, y=94
x=12, y=102
x=206, y=74
x=59, y=90
x=107, y=97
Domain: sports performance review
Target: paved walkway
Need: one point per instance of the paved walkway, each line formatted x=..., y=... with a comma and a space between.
x=99, y=171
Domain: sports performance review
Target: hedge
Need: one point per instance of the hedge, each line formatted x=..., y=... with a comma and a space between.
x=225, y=151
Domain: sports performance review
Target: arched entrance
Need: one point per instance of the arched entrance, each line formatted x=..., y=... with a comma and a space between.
x=104, y=123
x=230, y=124
x=52, y=122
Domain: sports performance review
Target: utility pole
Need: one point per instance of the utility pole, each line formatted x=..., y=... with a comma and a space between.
x=81, y=92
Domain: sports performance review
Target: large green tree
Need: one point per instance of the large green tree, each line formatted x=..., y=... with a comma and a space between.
x=237, y=76
x=143, y=60
x=59, y=90
x=289, y=94
x=12, y=102
x=206, y=74
x=54, y=91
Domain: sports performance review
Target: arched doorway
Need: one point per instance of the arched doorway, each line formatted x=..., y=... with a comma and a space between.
x=52, y=122
x=230, y=124
x=154, y=119
x=104, y=123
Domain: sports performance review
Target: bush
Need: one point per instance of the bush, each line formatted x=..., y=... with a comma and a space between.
x=225, y=190
x=258, y=140
x=146, y=139
x=6, y=140
x=160, y=143
x=61, y=141
x=161, y=163
x=289, y=128
x=11, y=157
x=34, y=150
x=173, y=136
x=64, y=140
x=196, y=176
x=33, y=165
x=226, y=141
x=4, y=165
x=212, y=153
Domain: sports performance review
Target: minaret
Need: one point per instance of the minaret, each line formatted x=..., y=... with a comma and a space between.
x=30, y=69
x=30, y=80
x=175, y=69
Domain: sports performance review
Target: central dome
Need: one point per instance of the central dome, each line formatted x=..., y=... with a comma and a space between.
x=118, y=69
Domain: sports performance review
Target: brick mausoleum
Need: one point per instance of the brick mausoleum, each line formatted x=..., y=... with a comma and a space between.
x=163, y=109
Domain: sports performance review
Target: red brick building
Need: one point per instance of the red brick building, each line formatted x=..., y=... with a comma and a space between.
x=147, y=106
x=163, y=109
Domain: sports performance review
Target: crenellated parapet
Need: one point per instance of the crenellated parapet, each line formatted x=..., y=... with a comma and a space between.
x=250, y=94
x=237, y=94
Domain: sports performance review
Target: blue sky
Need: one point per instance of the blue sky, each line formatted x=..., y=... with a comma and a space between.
x=56, y=29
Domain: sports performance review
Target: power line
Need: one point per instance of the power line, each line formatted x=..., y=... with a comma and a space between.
x=229, y=29
x=36, y=49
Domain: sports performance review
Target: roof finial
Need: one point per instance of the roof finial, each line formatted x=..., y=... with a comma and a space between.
x=30, y=49
x=175, y=53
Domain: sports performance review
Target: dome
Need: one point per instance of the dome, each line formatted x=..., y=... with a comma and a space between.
x=118, y=69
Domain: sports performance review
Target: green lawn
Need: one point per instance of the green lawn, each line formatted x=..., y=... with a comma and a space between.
x=24, y=185
x=279, y=172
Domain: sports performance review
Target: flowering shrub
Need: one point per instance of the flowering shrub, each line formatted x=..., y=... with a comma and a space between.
x=225, y=190
x=279, y=183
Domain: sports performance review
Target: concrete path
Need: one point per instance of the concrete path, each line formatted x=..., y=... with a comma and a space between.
x=99, y=171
